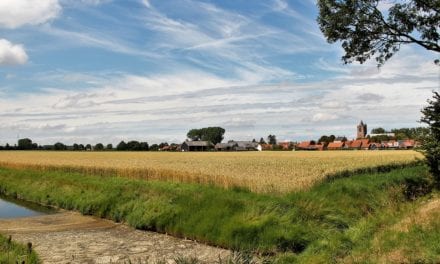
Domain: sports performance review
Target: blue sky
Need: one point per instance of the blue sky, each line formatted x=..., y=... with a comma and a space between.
x=92, y=71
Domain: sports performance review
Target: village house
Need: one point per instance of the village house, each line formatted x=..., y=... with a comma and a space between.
x=336, y=145
x=196, y=146
x=309, y=145
x=238, y=146
x=285, y=145
x=230, y=146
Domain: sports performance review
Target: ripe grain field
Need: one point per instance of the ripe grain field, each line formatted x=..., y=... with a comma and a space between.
x=264, y=172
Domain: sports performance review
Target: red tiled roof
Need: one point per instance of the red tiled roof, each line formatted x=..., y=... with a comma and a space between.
x=356, y=143
x=304, y=144
x=335, y=145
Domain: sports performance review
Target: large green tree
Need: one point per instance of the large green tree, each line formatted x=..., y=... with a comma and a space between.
x=212, y=134
x=24, y=143
x=366, y=29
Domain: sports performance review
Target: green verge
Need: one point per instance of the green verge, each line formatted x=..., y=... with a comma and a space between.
x=324, y=224
x=12, y=252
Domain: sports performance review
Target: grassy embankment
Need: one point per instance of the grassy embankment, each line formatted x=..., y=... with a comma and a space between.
x=12, y=253
x=347, y=219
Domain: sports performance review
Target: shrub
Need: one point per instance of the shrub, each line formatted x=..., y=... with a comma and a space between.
x=431, y=142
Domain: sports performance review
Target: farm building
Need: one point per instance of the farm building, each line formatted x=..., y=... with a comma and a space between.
x=360, y=144
x=285, y=145
x=336, y=145
x=230, y=146
x=245, y=145
x=237, y=146
x=309, y=145
x=196, y=146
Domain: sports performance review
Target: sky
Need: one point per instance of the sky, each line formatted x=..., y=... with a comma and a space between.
x=89, y=71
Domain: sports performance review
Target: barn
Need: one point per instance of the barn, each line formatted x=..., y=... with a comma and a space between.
x=196, y=146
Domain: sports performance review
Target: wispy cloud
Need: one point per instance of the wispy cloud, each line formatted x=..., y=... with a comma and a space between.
x=95, y=39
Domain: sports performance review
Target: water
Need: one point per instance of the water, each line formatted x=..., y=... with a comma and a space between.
x=11, y=208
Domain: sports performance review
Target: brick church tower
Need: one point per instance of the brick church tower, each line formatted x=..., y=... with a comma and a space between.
x=361, y=130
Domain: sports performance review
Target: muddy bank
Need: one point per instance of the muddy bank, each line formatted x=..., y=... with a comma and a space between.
x=69, y=237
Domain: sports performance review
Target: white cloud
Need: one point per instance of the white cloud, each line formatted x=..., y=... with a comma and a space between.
x=12, y=54
x=146, y=3
x=16, y=13
x=318, y=117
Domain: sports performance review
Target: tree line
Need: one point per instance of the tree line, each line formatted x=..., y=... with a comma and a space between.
x=133, y=145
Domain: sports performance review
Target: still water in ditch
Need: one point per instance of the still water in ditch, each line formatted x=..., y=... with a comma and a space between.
x=12, y=208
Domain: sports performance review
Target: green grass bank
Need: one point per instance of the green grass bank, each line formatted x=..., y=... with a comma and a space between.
x=335, y=221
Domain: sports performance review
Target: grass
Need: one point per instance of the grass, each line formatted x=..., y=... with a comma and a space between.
x=337, y=220
x=12, y=252
x=263, y=172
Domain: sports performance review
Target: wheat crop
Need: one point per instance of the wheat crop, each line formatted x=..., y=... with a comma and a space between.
x=274, y=172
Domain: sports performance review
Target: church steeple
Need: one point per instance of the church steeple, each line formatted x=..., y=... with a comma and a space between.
x=361, y=130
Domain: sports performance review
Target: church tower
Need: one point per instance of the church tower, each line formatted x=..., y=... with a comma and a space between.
x=361, y=130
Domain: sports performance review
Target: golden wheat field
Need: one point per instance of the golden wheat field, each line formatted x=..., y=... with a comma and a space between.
x=258, y=171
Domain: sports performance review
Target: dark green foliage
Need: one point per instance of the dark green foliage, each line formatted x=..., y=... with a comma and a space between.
x=303, y=224
x=154, y=147
x=212, y=134
x=378, y=130
x=121, y=146
x=431, y=143
x=59, y=146
x=132, y=146
x=98, y=147
x=25, y=144
x=326, y=139
x=365, y=31
x=272, y=139
x=417, y=133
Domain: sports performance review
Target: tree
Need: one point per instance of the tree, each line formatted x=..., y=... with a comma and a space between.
x=144, y=146
x=212, y=134
x=365, y=30
x=133, y=145
x=154, y=147
x=272, y=139
x=262, y=141
x=88, y=147
x=81, y=147
x=24, y=144
x=75, y=146
x=109, y=147
x=431, y=144
x=378, y=130
x=59, y=146
x=99, y=147
x=194, y=134
x=121, y=146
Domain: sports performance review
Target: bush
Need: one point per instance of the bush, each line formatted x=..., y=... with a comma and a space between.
x=431, y=142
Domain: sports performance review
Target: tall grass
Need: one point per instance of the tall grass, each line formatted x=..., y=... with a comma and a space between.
x=301, y=226
x=12, y=252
